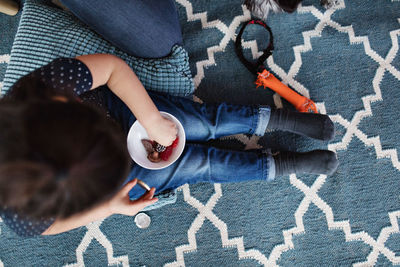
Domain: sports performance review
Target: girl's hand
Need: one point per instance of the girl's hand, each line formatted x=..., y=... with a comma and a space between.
x=121, y=204
x=163, y=131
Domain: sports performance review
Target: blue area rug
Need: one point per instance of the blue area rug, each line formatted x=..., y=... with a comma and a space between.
x=347, y=60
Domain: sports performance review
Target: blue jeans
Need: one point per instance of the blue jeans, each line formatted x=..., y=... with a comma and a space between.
x=200, y=162
x=142, y=28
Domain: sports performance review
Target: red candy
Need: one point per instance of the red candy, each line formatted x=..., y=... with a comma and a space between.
x=168, y=151
x=175, y=143
x=150, y=147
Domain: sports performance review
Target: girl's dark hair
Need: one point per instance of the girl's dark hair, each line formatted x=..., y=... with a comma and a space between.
x=57, y=159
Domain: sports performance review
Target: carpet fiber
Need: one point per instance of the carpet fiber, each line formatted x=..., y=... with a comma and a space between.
x=347, y=60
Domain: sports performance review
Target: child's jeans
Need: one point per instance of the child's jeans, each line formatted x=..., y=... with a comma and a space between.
x=200, y=162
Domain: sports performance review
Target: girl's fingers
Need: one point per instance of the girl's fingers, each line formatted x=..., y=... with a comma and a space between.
x=148, y=202
x=128, y=186
x=148, y=195
x=152, y=201
x=142, y=203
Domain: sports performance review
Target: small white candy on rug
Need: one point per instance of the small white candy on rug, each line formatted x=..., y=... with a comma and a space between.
x=142, y=220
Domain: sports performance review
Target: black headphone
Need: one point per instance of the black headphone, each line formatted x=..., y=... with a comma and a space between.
x=259, y=65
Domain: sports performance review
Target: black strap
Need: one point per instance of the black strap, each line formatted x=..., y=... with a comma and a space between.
x=259, y=65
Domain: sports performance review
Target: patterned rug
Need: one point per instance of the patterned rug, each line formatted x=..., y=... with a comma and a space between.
x=347, y=60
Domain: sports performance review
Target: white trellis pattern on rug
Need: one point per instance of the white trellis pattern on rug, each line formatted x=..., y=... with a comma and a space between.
x=311, y=193
x=205, y=211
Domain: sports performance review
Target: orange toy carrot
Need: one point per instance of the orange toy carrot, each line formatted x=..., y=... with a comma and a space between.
x=301, y=103
x=267, y=79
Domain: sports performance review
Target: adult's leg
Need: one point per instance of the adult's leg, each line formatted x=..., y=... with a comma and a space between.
x=200, y=163
x=143, y=28
x=201, y=122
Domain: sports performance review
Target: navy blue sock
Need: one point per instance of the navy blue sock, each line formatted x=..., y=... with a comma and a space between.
x=317, y=126
x=313, y=162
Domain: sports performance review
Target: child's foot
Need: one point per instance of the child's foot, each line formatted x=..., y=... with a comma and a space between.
x=313, y=162
x=317, y=126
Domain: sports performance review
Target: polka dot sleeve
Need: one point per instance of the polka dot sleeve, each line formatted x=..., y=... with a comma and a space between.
x=66, y=74
x=24, y=226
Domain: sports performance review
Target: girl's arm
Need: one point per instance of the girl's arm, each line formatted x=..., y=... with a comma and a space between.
x=119, y=204
x=119, y=77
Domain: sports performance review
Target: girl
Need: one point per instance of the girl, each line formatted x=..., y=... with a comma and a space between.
x=62, y=161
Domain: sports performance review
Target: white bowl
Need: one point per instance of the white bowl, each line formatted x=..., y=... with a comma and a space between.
x=138, y=152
